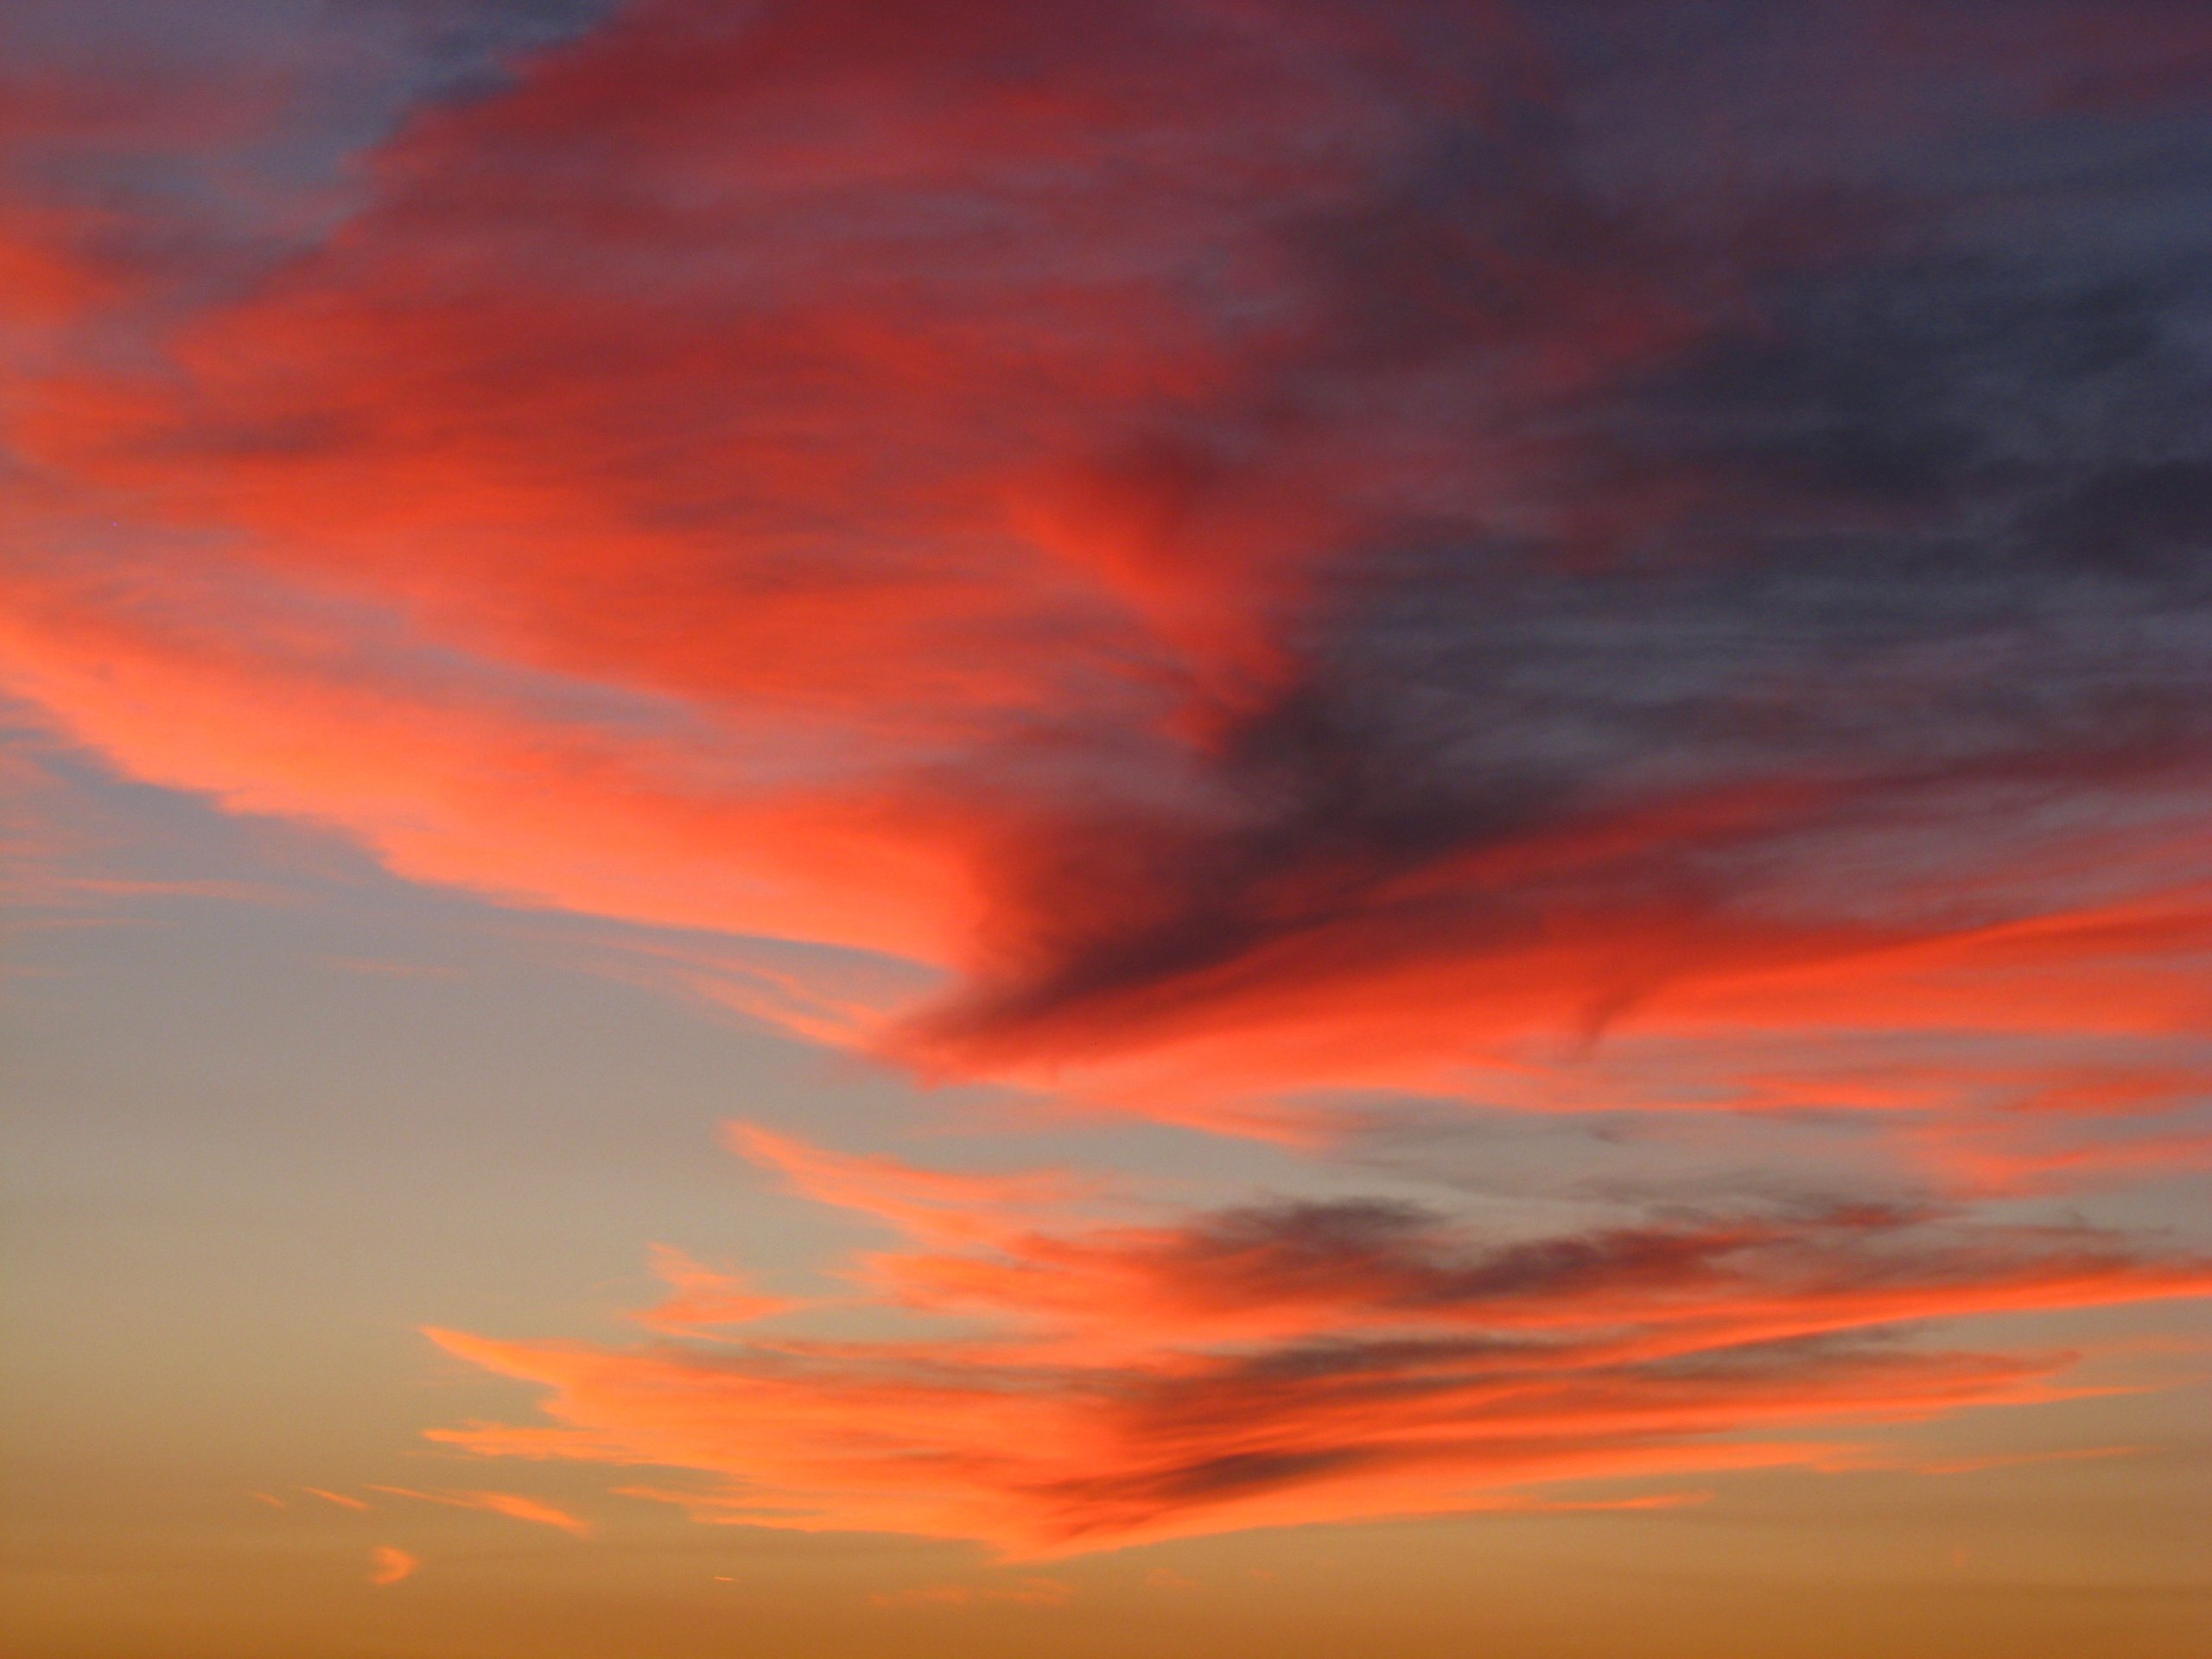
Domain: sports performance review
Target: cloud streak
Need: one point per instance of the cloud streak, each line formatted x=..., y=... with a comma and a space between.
x=513, y=1505
x=1084, y=1385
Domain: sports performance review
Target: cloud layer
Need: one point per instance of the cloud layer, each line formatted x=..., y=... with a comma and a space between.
x=1277, y=544
x=1217, y=560
x=1078, y=1384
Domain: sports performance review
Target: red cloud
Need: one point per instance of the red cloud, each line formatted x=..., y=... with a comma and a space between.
x=1211, y=553
x=1311, y=1361
x=947, y=480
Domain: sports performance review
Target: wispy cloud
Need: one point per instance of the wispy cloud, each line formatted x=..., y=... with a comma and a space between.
x=1092, y=1385
x=511, y=1504
x=702, y=1299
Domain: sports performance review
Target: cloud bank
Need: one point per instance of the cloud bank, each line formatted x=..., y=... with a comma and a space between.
x=1272, y=543
x=1207, y=559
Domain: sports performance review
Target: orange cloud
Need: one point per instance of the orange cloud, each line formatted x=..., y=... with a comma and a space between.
x=920, y=479
x=1104, y=1385
x=388, y=1565
x=511, y=1504
x=1210, y=563
x=927, y=1203
x=701, y=1299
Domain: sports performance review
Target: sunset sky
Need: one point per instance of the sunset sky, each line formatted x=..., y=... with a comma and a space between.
x=1005, y=828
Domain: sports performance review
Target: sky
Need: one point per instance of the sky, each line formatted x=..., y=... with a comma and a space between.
x=840, y=827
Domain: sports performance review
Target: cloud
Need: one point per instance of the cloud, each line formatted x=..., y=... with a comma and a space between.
x=927, y=1202
x=511, y=1504
x=388, y=1565
x=1318, y=566
x=1219, y=563
x=1083, y=1385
